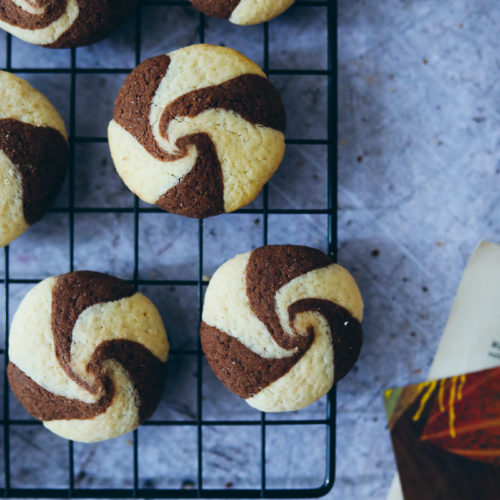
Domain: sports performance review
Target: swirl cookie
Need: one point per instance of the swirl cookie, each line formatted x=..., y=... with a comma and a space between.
x=33, y=155
x=281, y=325
x=243, y=12
x=87, y=356
x=63, y=23
x=198, y=131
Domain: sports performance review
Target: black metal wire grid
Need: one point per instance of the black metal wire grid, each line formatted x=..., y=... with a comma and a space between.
x=329, y=422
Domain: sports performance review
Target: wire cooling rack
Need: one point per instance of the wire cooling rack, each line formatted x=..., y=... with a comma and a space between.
x=198, y=490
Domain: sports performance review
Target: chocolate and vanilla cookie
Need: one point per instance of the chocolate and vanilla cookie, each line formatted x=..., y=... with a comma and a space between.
x=33, y=156
x=281, y=325
x=243, y=12
x=198, y=131
x=87, y=356
x=63, y=23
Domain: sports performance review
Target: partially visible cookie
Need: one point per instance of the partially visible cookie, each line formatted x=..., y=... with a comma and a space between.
x=33, y=156
x=87, y=356
x=281, y=325
x=198, y=131
x=243, y=12
x=63, y=23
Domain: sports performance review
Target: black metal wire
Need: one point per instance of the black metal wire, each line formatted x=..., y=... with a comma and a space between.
x=135, y=448
x=199, y=423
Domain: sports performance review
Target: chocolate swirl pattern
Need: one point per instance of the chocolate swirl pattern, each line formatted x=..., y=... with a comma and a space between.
x=33, y=156
x=243, y=12
x=198, y=131
x=63, y=23
x=281, y=325
x=87, y=356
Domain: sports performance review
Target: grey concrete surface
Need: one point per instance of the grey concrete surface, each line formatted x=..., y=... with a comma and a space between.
x=419, y=153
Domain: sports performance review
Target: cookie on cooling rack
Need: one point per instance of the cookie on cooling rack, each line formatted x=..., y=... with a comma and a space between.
x=198, y=131
x=87, y=356
x=281, y=325
x=33, y=156
x=243, y=12
x=63, y=23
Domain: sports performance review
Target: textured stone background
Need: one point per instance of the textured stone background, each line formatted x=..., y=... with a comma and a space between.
x=418, y=188
x=419, y=166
